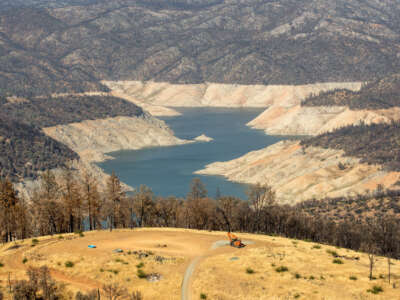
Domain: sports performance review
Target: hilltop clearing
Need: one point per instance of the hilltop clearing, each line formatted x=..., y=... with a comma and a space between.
x=270, y=267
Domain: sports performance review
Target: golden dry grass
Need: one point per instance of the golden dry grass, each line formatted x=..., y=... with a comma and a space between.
x=221, y=278
x=216, y=275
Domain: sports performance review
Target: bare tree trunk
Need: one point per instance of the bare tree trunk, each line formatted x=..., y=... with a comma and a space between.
x=371, y=265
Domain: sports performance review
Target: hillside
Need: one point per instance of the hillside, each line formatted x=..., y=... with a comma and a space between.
x=375, y=102
x=376, y=204
x=269, y=267
x=373, y=144
x=72, y=45
x=380, y=94
x=51, y=111
x=25, y=151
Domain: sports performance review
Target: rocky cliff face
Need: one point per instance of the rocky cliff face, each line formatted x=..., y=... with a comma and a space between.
x=221, y=95
x=298, y=174
x=91, y=139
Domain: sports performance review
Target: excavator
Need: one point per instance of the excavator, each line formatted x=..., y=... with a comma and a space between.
x=235, y=241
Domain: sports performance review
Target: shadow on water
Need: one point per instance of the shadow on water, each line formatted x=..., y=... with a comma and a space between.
x=169, y=170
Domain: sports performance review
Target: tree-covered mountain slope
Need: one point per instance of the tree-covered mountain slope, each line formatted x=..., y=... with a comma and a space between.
x=71, y=45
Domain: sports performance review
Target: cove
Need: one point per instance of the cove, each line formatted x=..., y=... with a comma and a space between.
x=169, y=170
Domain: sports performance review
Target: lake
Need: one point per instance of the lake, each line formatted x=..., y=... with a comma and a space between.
x=169, y=170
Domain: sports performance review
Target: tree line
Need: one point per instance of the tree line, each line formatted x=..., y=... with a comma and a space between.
x=65, y=204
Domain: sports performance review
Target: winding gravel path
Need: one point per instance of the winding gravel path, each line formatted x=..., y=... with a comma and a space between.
x=185, y=290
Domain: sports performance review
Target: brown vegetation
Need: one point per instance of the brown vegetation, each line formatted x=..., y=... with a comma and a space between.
x=382, y=93
x=374, y=143
x=61, y=206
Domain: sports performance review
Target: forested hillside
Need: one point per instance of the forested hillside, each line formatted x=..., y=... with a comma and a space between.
x=374, y=144
x=49, y=111
x=25, y=151
x=71, y=45
x=375, y=204
x=382, y=93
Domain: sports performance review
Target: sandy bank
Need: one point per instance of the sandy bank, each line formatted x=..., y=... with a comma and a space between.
x=297, y=175
x=91, y=139
x=220, y=95
x=299, y=120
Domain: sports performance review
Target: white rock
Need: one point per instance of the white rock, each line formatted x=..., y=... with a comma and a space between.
x=203, y=138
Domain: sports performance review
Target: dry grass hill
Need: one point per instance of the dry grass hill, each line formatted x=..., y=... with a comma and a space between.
x=268, y=268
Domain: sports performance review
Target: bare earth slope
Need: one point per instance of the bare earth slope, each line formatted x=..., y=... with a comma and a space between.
x=297, y=175
x=221, y=95
x=91, y=139
x=217, y=275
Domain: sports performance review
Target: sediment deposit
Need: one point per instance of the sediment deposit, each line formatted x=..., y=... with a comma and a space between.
x=314, y=120
x=220, y=95
x=299, y=174
x=91, y=139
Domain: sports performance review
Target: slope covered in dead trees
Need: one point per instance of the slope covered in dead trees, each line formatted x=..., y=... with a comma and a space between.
x=374, y=143
x=51, y=111
x=72, y=45
x=25, y=150
x=63, y=203
x=379, y=94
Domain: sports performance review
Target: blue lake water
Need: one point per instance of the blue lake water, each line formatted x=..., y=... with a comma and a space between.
x=169, y=170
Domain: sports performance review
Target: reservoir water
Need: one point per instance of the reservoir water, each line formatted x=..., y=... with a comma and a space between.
x=169, y=170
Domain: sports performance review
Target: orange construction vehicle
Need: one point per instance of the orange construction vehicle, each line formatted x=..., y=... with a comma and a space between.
x=235, y=242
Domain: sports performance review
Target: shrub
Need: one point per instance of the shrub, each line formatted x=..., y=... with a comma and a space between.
x=316, y=247
x=281, y=269
x=90, y=296
x=376, y=289
x=333, y=253
x=136, y=296
x=25, y=260
x=140, y=265
x=297, y=295
x=141, y=274
x=249, y=271
x=35, y=241
x=297, y=276
x=69, y=264
x=1, y=264
x=353, y=277
x=101, y=270
x=60, y=237
x=311, y=277
x=203, y=296
x=337, y=261
x=80, y=233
